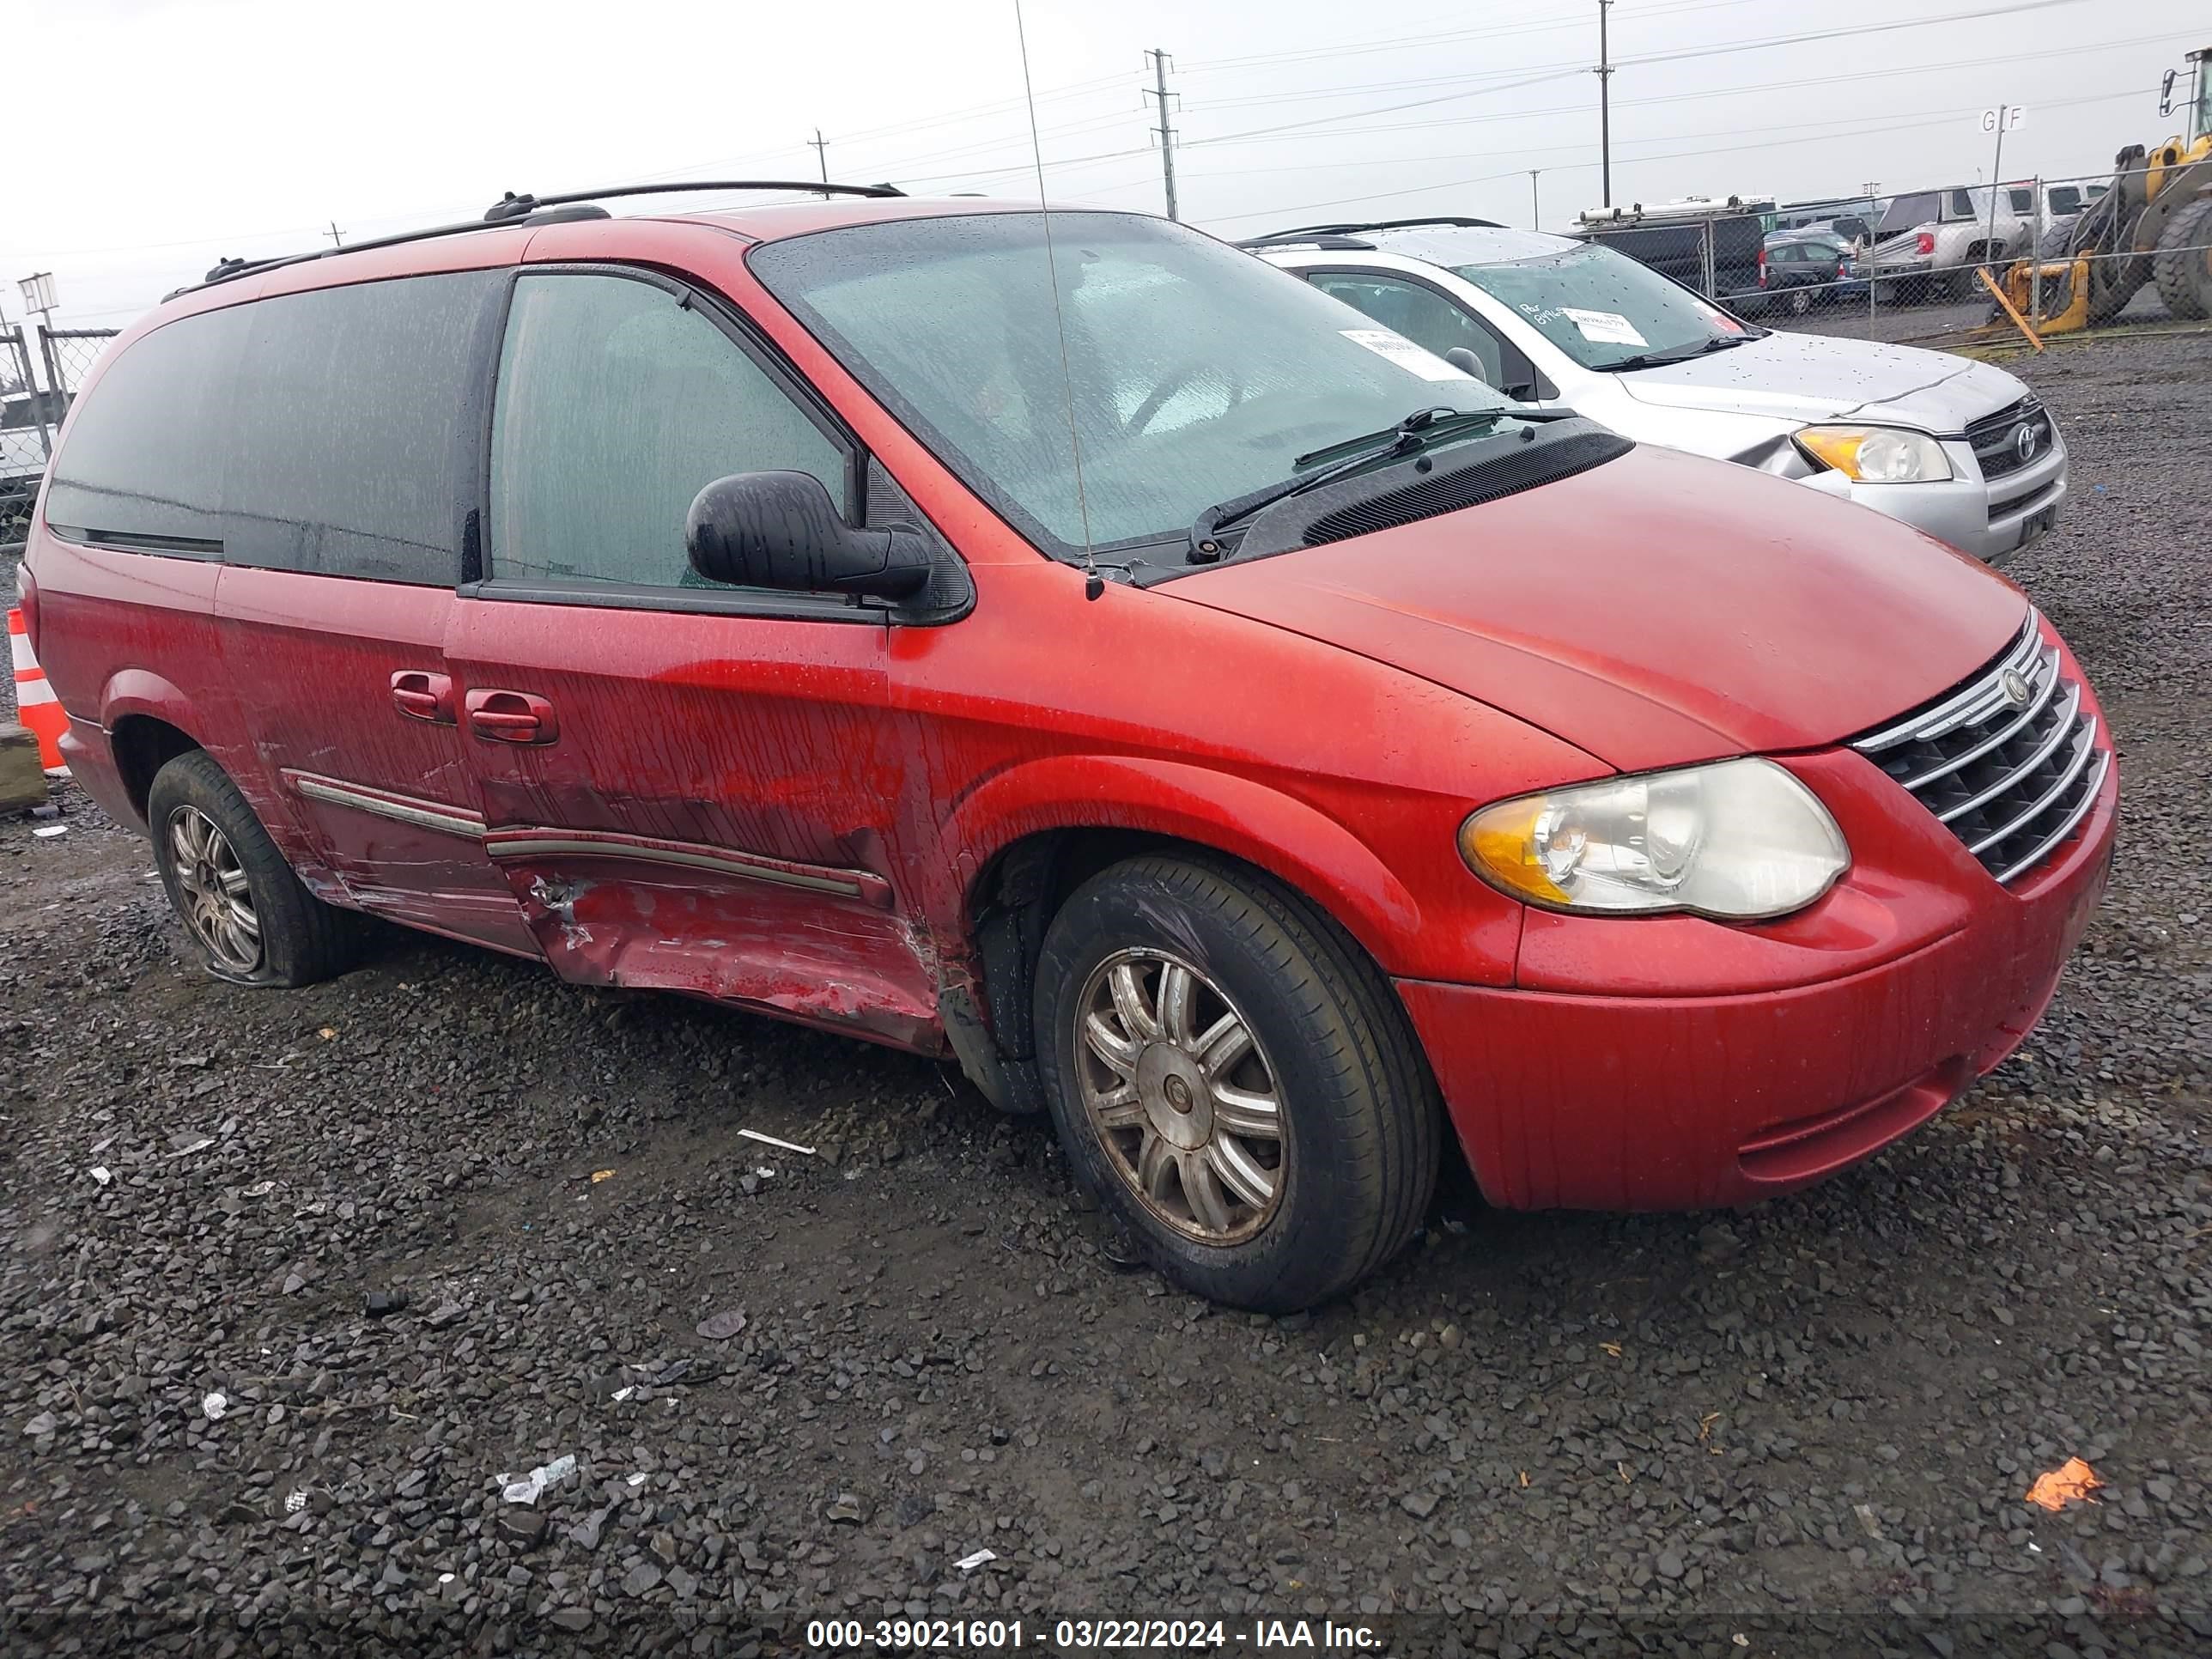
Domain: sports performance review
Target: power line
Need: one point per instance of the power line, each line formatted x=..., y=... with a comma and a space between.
x=1562, y=70
x=1407, y=42
x=1670, y=155
x=1794, y=84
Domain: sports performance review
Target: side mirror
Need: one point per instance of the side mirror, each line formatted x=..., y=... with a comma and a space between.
x=1467, y=363
x=782, y=530
x=2165, y=94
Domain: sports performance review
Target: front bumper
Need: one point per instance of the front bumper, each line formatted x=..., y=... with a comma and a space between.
x=1991, y=520
x=1641, y=1100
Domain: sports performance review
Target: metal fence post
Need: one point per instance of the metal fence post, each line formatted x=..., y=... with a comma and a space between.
x=1713, y=280
x=53, y=368
x=2035, y=262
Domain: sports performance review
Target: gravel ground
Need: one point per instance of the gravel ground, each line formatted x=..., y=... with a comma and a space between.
x=1803, y=1429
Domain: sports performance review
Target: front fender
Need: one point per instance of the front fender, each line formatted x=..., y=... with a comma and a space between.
x=1249, y=820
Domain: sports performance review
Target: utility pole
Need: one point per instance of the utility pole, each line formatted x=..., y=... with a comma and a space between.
x=821, y=147
x=1605, y=102
x=1166, y=130
x=1535, y=212
x=338, y=237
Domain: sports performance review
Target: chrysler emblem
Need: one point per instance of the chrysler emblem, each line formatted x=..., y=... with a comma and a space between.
x=2024, y=441
x=2015, y=687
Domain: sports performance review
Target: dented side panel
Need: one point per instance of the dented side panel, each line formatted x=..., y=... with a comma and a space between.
x=311, y=658
x=713, y=815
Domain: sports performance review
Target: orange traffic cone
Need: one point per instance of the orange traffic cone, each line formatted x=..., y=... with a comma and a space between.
x=36, y=706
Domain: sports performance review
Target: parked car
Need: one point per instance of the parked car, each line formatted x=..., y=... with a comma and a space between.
x=1958, y=448
x=1799, y=270
x=1324, y=749
x=1851, y=218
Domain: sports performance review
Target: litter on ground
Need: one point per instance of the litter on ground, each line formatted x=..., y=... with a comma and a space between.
x=2071, y=1482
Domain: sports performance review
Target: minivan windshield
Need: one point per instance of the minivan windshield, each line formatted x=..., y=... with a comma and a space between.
x=1190, y=372
x=1606, y=311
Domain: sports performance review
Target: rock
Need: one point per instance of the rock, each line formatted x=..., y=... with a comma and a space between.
x=43, y=1424
x=641, y=1579
x=1420, y=1504
x=1717, y=1243
x=1670, y=1564
x=525, y=1526
x=570, y=1619
x=22, y=777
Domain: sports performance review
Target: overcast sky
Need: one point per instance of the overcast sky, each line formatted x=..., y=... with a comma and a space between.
x=162, y=134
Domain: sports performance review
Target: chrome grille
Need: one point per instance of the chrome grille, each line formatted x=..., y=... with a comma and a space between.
x=2009, y=761
x=1995, y=438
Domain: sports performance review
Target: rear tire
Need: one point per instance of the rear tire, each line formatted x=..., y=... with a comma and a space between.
x=246, y=913
x=2182, y=263
x=1801, y=300
x=1234, y=1081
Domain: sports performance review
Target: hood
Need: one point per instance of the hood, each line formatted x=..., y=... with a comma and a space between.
x=1809, y=377
x=1657, y=610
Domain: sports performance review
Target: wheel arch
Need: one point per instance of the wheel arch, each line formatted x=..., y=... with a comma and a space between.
x=148, y=723
x=1030, y=836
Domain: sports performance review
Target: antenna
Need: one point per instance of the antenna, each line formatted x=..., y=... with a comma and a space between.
x=1097, y=584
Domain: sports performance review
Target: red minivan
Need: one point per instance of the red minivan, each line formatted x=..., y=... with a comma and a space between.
x=1063, y=643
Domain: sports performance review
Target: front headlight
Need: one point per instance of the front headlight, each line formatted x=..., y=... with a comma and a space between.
x=1877, y=454
x=1738, y=839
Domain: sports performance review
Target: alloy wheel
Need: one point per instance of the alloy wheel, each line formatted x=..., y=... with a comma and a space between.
x=216, y=896
x=1181, y=1096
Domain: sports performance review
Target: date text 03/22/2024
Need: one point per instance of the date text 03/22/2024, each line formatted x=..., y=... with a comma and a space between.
x=1083, y=1635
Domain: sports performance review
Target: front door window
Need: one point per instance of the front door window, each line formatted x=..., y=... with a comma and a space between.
x=617, y=404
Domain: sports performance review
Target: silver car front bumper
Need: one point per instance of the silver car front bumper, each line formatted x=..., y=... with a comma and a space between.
x=1992, y=519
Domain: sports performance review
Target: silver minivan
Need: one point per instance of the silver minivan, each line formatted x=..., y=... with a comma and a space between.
x=1958, y=448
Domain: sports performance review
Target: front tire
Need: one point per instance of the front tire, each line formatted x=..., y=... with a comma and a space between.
x=246, y=913
x=2183, y=264
x=1234, y=1081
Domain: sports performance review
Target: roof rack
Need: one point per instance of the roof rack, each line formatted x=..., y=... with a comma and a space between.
x=520, y=209
x=1343, y=236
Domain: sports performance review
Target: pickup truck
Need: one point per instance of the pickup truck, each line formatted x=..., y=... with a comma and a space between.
x=1930, y=242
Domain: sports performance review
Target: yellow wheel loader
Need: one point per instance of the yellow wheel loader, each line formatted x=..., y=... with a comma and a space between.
x=2154, y=225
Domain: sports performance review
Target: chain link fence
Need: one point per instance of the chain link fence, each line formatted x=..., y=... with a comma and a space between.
x=41, y=371
x=2111, y=249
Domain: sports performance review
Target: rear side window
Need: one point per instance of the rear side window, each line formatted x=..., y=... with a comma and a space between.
x=333, y=432
x=143, y=466
x=1906, y=211
x=355, y=426
x=617, y=404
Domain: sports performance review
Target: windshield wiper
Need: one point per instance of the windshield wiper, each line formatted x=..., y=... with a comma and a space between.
x=1679, y=355
x=1411, y=435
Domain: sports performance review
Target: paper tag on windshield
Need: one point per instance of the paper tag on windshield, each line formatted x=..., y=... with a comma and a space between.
x=1404, y=353
x=1607, y=327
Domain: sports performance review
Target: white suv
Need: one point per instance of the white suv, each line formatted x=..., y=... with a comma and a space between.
x=1958, y=448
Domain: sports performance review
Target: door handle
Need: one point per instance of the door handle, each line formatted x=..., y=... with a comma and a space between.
x=423, y=697
x=512, y=717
